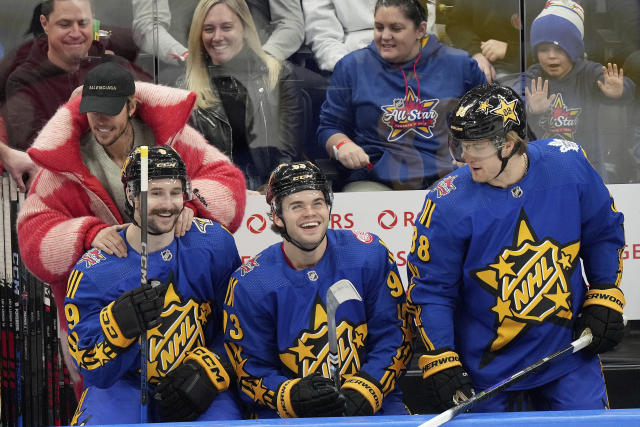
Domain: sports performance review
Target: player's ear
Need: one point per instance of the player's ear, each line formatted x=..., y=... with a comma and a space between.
x=508, y=148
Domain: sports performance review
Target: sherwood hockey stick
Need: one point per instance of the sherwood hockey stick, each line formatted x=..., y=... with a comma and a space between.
x=341, y=291
x=577, y=345
x=144, y=257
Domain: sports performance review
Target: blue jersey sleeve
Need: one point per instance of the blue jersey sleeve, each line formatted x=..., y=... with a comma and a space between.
x=434, y=268
x=100, y=363
x=389, y=344
x=602, y=238
x=250, y=342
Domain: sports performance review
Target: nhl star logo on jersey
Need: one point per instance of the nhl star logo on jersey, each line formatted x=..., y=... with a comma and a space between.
x=248, y=266
x=410, y=114
x=531, y=283
x=363, y=236
x=312, y=275
x=166, y=255
x=516, y=192
x=202, y=224
x=446, y=186
x=92, y=257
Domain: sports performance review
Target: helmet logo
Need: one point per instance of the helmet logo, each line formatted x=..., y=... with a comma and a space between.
x=462, y=111
x=484, y=107
x=507, y=110
x=410, y=114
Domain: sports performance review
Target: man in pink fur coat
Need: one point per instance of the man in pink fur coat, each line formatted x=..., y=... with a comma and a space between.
x=76, y=200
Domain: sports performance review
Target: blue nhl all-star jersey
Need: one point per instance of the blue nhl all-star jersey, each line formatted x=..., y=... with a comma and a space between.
x=496, y=273
x=196, y=268
x=276, y=319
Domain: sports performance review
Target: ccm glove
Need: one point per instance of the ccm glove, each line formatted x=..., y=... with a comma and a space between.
x=134, y=311
x=188, y=391
x=602, y=313
x=363, y=395
x=311, y=396
x=447, y=383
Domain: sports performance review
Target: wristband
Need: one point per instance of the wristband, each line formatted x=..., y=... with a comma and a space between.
x=284, y=407
x=434, y=363
x=370, y=391
x=111, y=330
x=341, y=143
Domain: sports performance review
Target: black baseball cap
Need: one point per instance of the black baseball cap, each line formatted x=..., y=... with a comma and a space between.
x=106, y=89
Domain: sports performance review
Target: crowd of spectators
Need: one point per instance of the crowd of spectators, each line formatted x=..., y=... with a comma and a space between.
x=261, y=105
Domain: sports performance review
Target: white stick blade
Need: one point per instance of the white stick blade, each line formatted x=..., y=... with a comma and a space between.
x=343, y=290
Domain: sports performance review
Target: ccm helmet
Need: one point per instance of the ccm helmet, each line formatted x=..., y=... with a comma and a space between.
x=488, y=111
x=289, y=178
x=164, y=162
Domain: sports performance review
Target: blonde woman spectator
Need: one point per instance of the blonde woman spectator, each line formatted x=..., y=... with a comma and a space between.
x=248, y=102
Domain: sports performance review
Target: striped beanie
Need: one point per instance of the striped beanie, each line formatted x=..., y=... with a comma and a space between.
x=561, y=22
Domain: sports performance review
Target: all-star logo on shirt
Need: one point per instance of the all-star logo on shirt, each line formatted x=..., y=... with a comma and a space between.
x=561, y=121
x=410, y=114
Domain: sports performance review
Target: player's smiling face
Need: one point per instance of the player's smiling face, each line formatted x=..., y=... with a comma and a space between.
x=396, y=37
x=306, y=215
x=164, y=203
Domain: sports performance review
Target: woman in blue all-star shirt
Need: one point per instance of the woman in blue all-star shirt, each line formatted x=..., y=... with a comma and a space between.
x=385, y=115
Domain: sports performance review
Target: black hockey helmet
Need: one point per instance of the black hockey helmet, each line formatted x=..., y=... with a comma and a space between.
x=164, y=162
x=289, y=178
x=488, y=111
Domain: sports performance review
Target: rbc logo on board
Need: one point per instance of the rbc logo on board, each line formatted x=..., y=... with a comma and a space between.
x=256, y=223
x=387, y=219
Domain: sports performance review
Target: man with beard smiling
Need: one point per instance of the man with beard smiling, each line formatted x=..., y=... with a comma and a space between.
x=180, y=311
x=76, y=201
x=276, y=319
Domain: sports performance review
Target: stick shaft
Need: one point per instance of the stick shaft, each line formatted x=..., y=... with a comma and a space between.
x=144, y=186
x=447, y=415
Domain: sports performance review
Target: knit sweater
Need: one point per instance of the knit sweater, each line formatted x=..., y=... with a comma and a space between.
x=67, y=205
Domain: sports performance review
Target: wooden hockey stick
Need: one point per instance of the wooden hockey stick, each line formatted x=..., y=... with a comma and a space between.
x=577, y=345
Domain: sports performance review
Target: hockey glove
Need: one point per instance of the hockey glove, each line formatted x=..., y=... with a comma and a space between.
x=363, y=395
x=602, y=313
x=188, y=391
x=134, y=311
x=311, y=396
x=447, y=383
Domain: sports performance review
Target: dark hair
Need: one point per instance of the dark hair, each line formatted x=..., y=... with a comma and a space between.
x=412, y=9
x=49, y=5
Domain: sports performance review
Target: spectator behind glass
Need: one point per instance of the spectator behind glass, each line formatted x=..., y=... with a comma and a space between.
x=334, y=28
x=54, y=66
x=490, y=31
x=568, y=94
x=385, y=115
x=279, y=24
x=248, y=103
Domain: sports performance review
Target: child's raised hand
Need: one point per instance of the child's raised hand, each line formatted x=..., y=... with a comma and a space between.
x=613, y=81
x=538, y=99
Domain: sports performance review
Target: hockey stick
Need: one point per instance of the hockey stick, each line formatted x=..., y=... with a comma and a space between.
x=144, y=256
x=341, y=291
x=577, y=345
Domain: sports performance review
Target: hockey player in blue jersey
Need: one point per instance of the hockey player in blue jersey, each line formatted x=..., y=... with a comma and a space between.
x=276, y=312
x=496, y=261
x=180, y=310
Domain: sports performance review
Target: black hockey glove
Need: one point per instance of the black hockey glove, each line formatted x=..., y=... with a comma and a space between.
x=602, y=313
x=133, y=312
x=447, y=383
x=311, y=396
x=188, y=391
x=363, y=395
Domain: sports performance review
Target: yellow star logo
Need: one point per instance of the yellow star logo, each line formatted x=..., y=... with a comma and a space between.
x=240, y=370
x=358, y=339
x=503, y=267
x=506, y=110
x=565, y=261
x=259, y=391
x=559, y=299
x=397, y=366
x=484, y=107
x=502, y=308
x=303, y=351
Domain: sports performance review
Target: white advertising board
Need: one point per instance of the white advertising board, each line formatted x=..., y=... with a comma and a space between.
x=390, y=215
